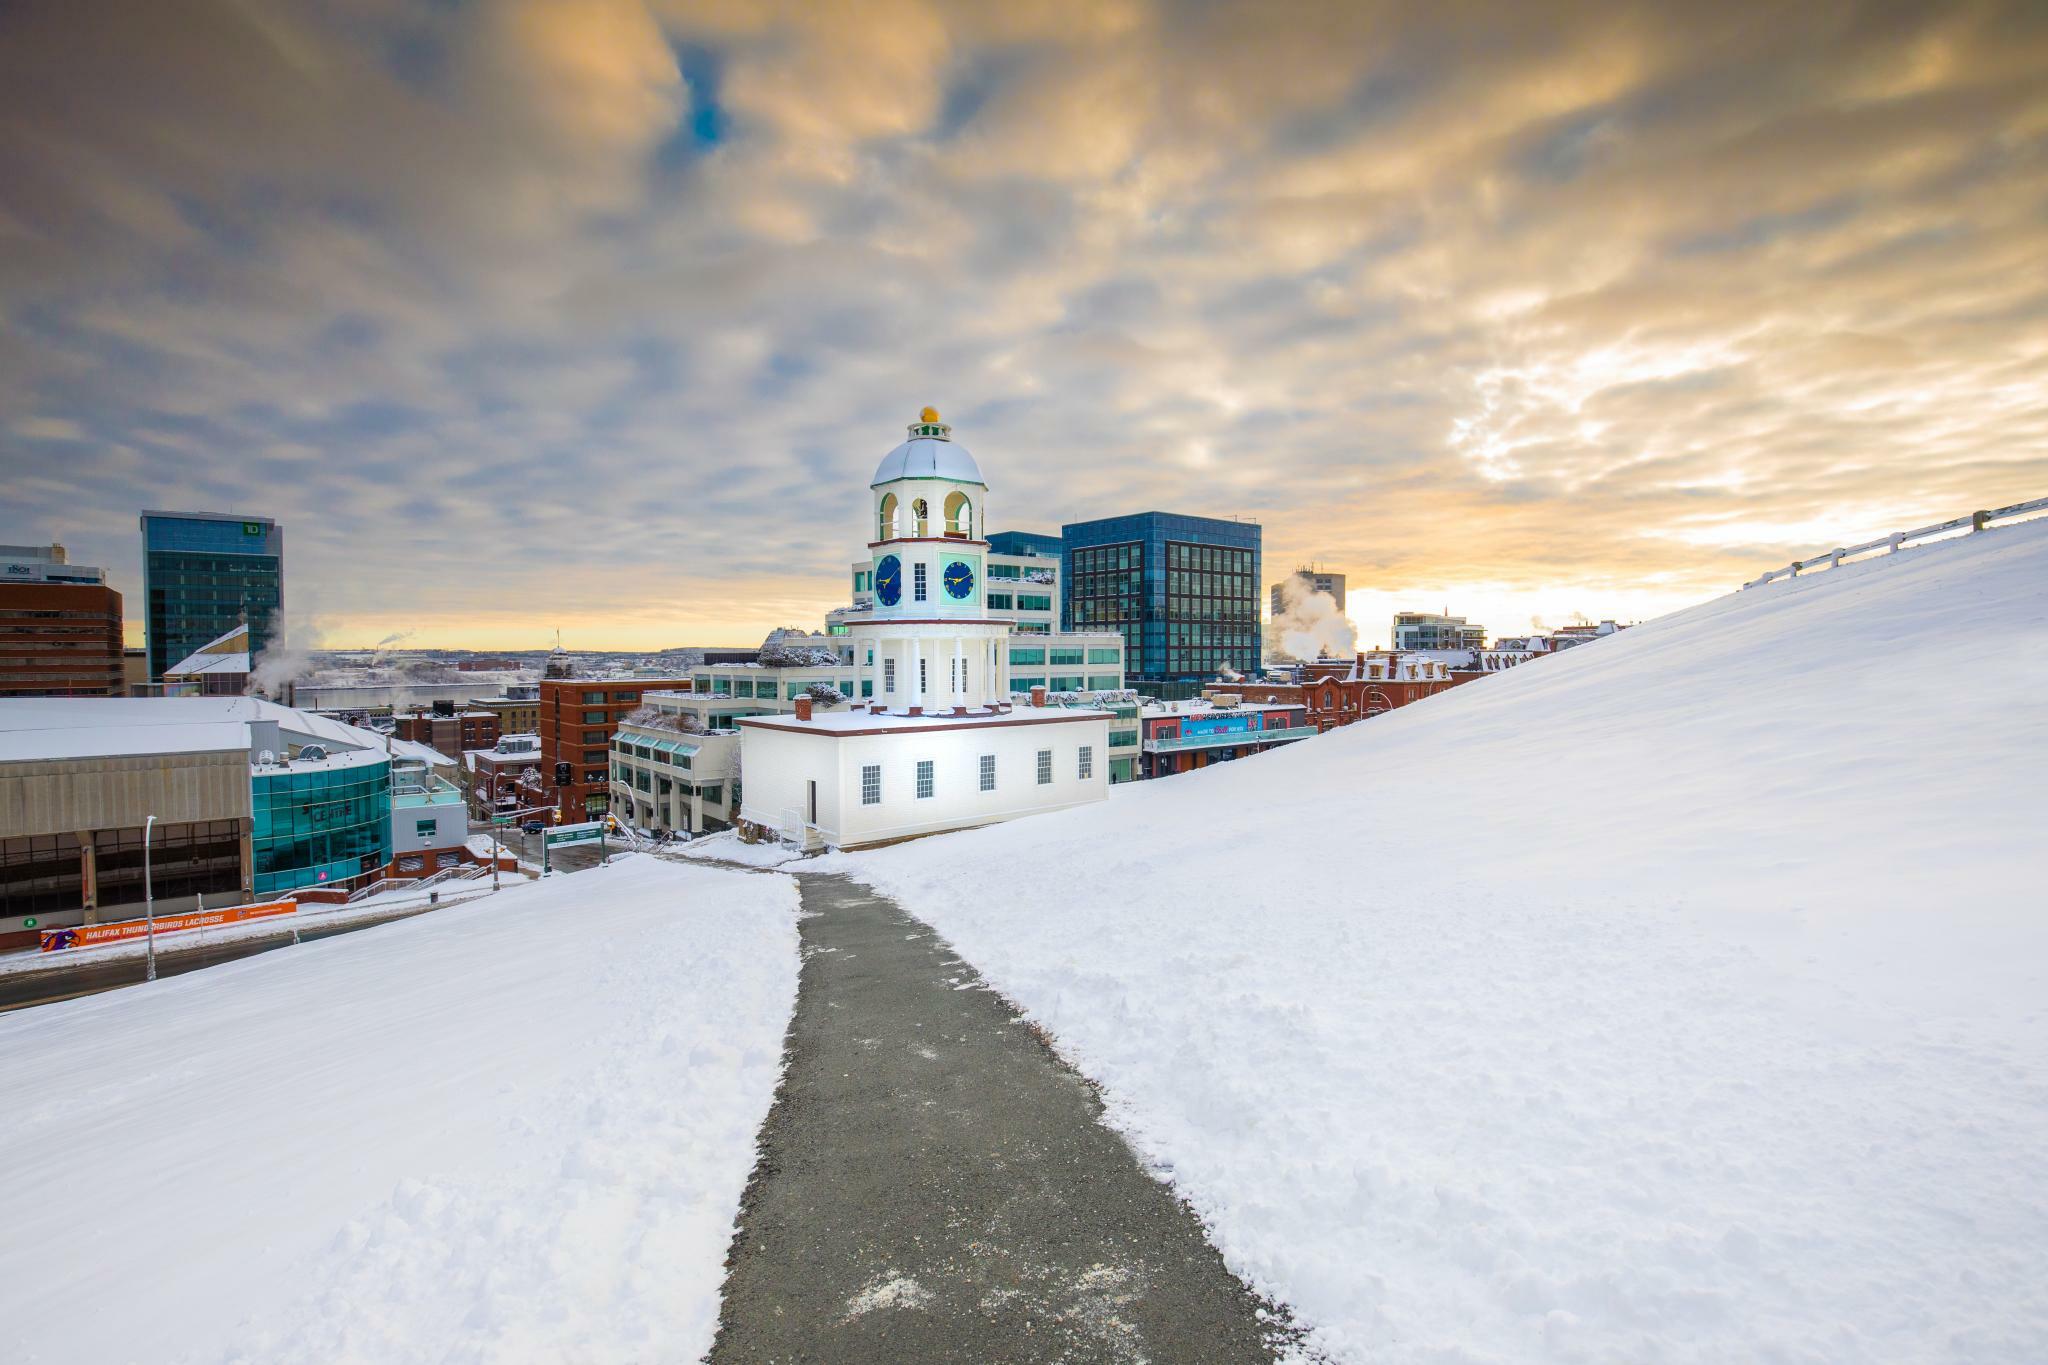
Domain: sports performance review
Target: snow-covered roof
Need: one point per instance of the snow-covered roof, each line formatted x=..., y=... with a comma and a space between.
x=227, y=654
x=111, y=726
x=855, y=722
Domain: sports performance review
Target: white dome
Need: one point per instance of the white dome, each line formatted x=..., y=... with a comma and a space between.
x=927, y=457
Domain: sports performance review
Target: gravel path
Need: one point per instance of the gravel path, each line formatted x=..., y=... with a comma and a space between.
x=935, y=1185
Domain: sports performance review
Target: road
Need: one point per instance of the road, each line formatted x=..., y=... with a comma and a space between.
x=45, y=986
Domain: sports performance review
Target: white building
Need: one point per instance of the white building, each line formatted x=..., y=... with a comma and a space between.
x=932, y=740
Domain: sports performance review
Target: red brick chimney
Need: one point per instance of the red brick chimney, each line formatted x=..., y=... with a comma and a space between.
x=1038, y=696
x=803, y=708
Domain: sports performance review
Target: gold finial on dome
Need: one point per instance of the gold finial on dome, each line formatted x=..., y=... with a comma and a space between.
x=930, y=414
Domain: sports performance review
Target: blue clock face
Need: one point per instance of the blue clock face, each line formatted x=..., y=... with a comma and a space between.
x=889, y=580
x=959, y=579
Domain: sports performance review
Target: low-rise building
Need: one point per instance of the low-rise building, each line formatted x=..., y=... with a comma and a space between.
x=1338, y=692
x=448, y=731
x=429, y=820
x=517, y=708
x=250, y=799
x=1418, y=630
x=1181, y=736
x=928, y=739
x=507, y=778
x=673, y=774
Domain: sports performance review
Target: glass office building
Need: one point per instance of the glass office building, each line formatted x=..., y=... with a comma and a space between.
x=201, y=571
x=1028, y=544
x=319, y=821
x=1183, y=591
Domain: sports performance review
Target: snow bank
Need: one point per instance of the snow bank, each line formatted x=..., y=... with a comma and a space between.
x=514, y=1129
x=1679, y=998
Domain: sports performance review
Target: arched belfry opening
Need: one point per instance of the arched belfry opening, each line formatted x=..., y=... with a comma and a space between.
x=885, y=518
x=959, y=516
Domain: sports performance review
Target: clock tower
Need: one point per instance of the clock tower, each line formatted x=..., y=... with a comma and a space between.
x=928, y=638
x=930, y=740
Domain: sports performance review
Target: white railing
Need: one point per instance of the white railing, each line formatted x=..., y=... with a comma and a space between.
x=460, y=872
x=1898, y=540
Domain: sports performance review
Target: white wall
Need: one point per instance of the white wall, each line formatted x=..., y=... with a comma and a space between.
x=779, y=762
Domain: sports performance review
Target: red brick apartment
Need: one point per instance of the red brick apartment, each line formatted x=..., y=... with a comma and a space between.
x=60, y=640
x=578, y=717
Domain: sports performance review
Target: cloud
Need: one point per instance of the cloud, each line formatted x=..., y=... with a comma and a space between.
x=599, y=314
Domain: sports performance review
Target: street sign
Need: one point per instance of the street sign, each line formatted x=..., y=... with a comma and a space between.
x=573, y=834
x=501, y=819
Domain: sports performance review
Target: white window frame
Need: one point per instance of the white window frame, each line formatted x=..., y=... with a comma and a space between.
x=917, y=582
x=927, y=778
x=871, y=784
x=988, y=772
x=1045, y=767
x=1085, y=768
x=888, y=675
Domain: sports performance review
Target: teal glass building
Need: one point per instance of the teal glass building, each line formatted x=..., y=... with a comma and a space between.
x=320, y=821
x=200, y=572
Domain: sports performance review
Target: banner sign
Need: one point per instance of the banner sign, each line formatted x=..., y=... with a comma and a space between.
x=86, y=935
x=573, y=834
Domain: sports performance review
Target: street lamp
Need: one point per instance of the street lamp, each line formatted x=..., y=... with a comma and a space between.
x=149, y=897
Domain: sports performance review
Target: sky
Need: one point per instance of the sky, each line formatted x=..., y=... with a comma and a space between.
x=596, y=315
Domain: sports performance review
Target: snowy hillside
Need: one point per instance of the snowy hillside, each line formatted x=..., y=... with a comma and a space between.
x=516, y=1129
x=1684, y=997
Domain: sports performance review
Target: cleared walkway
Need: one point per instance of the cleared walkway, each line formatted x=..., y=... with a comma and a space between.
x=934, y=1183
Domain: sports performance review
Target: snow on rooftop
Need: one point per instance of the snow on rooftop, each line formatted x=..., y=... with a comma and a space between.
x=111, y=726
x=1678, y=999
x=852, y=721
x=389, y=1146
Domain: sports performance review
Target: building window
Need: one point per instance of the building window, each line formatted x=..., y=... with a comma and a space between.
x=988, y=772
x=1087, y=767
x=423, y=829
x=1104, y=656
x=595, y=718
x=888, y=675
x=1045, y=767
x=923, y=676
x=593, y=698
x=1001, y=601
x=924, y=778
x=1033, y=602
x=871, y=785
x=917, y=582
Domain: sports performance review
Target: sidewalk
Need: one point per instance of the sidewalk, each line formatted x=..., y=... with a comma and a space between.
x=934, y=1184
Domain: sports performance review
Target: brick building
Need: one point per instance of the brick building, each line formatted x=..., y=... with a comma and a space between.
x=448, y=731
x=578, y=717
x=60, y=640
x=1181, y=736
x=1336, y=692
x=508, y=778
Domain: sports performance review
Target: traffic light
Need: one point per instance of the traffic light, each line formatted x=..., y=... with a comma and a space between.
x=561, y=774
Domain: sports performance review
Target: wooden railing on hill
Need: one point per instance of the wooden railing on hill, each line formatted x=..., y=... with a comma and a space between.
x=1892, y=544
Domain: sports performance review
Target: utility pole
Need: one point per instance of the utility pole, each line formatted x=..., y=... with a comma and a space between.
x=149, y=897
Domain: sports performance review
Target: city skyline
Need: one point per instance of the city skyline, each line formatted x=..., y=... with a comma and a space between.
x=586, y=316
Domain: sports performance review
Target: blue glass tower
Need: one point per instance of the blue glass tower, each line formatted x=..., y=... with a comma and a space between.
x=1184, y=592
x=201, y=571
